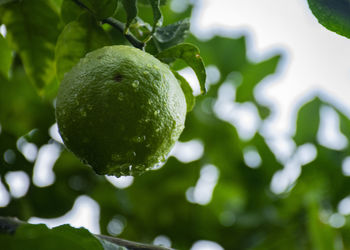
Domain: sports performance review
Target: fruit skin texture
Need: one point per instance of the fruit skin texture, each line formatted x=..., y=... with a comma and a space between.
x=120, y=110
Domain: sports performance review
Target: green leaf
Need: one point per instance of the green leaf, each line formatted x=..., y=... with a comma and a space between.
x=101, y=8
x=157, y=14
x=78, y=38
x=32, y=31
x=229, y=54
x=308, y=120
x=21, y=109
x=190, y=54
x=70, y=11
x=40, y=237
x=172, y=34
x=253, y=74
x=130, y=7
x=188, y=91
x=334, y=15
x=5, y=57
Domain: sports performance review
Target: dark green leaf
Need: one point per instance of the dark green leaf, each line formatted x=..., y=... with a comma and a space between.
x=307, y=123
x=101, y=8
x=40, y=237
x=334, y=15
x=21, y=109
x=172, y=34
x=146, y=2
x=70, y=11
x=6, y=1
x=157, y=14
x=32, y=30
x=78, y=38
x=5, y=57
x=130, y=7
x=188, y=92
x=190, y=54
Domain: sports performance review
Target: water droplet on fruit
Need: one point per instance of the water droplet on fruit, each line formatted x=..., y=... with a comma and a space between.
x=135, y=84
x=158, y=165
x=139, y=139
x=156, y=112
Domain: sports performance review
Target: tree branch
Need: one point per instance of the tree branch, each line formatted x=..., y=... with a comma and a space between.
x=80, y=4
x=9, y=225
x=121, y=27
x=131, y=245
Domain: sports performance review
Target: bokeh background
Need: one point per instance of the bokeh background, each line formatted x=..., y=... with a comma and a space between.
x=264, y=160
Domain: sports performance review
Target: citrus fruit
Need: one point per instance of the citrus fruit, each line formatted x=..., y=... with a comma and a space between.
x=120, y=110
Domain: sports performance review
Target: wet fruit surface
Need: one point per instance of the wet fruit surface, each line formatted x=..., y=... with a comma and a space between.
x=120, y=110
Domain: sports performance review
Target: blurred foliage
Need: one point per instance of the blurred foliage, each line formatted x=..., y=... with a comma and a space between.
x=243, y=213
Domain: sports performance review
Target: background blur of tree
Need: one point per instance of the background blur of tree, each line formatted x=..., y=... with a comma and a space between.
x=232, y=190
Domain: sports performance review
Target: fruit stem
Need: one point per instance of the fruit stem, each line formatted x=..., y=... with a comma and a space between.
x=121, y=27
x=118, y=25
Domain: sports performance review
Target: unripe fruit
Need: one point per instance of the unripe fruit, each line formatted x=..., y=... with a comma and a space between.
x=120, y=110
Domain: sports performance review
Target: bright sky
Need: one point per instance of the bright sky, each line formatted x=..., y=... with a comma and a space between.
x=315, y=59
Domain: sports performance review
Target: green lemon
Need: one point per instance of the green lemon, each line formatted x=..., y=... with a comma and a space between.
x=120, y=110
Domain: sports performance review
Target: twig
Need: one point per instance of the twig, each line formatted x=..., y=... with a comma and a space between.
x=121, y=27
x=118, y=25
x=81, y=5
